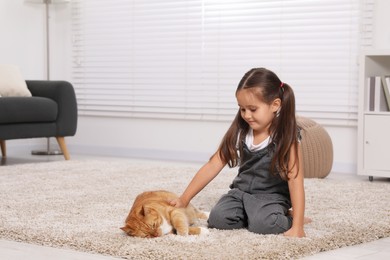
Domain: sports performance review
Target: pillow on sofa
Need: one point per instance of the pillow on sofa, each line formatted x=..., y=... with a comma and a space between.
x=12, y=83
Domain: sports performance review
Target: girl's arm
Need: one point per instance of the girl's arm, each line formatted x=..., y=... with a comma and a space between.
x=203, y=177
x=297, y=194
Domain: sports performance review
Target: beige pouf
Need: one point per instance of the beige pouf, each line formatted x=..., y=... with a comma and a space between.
x=317, y=149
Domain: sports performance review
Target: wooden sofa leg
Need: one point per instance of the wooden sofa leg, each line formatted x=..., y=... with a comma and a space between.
x=3, y=148
x=61, y=143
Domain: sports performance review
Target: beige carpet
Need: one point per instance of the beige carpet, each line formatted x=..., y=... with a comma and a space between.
x=82, y=204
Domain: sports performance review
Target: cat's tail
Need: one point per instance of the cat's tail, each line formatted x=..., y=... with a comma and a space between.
x=203, y=214
x=197, y=213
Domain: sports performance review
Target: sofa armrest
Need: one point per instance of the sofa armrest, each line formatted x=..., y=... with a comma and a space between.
x=63, y=94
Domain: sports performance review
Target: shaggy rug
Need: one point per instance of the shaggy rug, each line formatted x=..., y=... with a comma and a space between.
x=81, y=205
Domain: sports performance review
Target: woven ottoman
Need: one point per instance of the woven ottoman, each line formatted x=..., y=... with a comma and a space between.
x=317, y=149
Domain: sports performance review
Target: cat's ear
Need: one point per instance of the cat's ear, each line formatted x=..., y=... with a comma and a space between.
x=145, y=210
x=142, y=211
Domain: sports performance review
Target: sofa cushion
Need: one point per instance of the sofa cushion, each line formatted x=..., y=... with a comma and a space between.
x=12, y=83
x=27, y=110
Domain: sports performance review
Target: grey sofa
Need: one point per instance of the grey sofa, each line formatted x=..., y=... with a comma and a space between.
x=50, y=112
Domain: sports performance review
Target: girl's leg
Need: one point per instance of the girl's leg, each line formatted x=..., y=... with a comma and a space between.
x=229, y=212
x=267, y=215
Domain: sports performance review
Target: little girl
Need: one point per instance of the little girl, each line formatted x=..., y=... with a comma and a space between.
x=263, y=140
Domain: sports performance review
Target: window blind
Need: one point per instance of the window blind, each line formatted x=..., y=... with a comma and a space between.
x=183, y=59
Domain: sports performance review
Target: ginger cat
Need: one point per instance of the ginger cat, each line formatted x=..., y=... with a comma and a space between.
x=152, y=216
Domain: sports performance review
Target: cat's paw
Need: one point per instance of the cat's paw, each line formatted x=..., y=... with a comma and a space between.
x=205, y=214
x=204, y=231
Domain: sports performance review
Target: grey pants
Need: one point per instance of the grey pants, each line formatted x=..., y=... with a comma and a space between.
x=259, y=213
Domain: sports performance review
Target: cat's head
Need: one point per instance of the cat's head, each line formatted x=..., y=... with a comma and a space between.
x=143, y=222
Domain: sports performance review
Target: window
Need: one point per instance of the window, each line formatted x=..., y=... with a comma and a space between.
x=183, y=59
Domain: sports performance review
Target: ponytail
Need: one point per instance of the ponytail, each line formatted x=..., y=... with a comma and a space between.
x=284, y=133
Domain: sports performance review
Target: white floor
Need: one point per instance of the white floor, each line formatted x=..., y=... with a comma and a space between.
x=10, y=250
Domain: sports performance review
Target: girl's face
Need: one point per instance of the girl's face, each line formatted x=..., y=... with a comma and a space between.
x=256, y=112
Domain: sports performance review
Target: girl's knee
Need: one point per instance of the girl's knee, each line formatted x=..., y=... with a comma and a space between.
x=216, y=220
x=273, y=224
x=220, y=220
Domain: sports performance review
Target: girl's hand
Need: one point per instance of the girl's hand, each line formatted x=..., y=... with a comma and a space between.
x=177, y=203
x=295, y=232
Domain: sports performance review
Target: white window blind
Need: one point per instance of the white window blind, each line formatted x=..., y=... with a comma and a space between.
x=183, y=59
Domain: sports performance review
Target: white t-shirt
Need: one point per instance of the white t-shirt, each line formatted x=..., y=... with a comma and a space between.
x=257, y=147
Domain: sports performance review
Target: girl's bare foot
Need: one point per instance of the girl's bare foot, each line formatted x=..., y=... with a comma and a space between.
x=306, y=220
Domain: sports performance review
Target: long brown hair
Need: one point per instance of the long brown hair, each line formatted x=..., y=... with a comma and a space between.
x=283, y=130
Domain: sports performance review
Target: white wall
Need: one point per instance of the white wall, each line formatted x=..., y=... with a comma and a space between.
x=145, y=138
x=22, y=37
x=381, y=21
x=23, y=43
